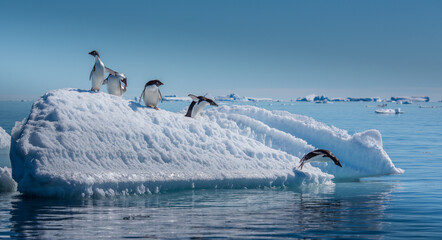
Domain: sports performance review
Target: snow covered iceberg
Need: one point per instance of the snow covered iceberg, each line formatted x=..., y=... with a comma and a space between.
x=81, y=144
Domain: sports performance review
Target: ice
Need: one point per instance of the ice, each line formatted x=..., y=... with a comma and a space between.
x=389, y=111
x=81, y=144
x=7, y=184
x=5, y=142
x=5, y=139
x=411, y=99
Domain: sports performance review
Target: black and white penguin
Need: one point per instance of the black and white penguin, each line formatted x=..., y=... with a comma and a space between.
x=197, y=105
x=98, y=72
x=114, y=81
x=151, y=93
x=319, y=155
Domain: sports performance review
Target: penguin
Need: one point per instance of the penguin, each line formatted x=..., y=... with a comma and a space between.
x=319, y=155
x=114, y=84
x=98, y=71
x=197, y=105
x=151, y=93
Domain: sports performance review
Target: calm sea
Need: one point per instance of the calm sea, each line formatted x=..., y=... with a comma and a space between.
x=393, y=207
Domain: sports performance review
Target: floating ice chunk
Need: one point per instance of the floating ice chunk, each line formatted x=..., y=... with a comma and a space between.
x=81, y=144
x=389, y=111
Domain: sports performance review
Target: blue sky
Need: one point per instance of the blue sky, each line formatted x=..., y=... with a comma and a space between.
x=278, y=49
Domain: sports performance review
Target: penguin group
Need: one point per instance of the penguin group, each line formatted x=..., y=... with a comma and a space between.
x=151, y=96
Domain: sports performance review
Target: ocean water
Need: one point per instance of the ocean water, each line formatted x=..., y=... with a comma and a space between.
x=392, y=207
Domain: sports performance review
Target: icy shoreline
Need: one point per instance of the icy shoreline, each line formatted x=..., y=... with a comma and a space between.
x=81, y=144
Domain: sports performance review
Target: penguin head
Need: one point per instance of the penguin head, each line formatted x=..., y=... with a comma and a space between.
x=331, y=156
x=124, y=80
x=155, y=82
x=94, y=53
x=336, y=161
x=211, y=102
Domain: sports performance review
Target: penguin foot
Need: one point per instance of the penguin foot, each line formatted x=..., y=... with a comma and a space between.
x=154, y=107
x=95, y=90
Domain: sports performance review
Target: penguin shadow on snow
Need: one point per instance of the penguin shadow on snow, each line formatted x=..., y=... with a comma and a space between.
x=136, y=105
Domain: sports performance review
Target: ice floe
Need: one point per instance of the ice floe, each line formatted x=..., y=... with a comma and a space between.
x=81, y=144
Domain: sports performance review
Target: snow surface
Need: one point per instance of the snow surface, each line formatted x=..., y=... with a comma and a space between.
x=81, y=144
x=7, y=184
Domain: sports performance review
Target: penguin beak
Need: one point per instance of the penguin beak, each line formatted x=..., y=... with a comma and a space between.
x=338, y=163
x=91, y=53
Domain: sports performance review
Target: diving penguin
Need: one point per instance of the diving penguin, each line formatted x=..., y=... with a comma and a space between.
x=114, y=81
x=98, y=71
x=151, y=93
x=319, y=155
x=197, y=105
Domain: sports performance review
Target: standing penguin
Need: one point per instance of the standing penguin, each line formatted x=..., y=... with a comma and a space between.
x=197, y=105
x=114, y=84
x=151, y=93
x=98, y=71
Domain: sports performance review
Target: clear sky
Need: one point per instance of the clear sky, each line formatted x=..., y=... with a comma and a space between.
x=278, y=49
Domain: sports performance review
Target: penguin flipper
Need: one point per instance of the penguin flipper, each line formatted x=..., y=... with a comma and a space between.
x=105, y=80
x=110, y=71
x=161, y=97
x=92, y=73
x=194, y=98
x=142, y=94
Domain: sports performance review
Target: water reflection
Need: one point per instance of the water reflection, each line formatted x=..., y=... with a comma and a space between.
x=345, y=210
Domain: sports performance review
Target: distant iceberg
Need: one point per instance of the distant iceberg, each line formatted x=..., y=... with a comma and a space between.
x=227, y=98
x=174, y=98
x=389, y=111
x=234, y=97
x=81, y=144
x=410, y=99
x=322, y=98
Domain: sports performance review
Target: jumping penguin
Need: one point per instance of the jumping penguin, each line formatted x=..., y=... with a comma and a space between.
x=151, y=93
x=98, y=71
x=197, y=105
x=319, y=155
x=114, y=84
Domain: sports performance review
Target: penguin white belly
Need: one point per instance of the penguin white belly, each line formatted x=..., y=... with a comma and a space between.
x=319, y=158
x=98, y=76
x=114, y=86
x=151, y=96
x=198, y=108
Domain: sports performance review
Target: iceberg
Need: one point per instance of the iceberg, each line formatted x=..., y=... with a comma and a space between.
x=411, y=99
x=174, y=98
x=7, y=184
x=322, y=98
x=5, y=142
x=389, y=111
x=81, y=144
